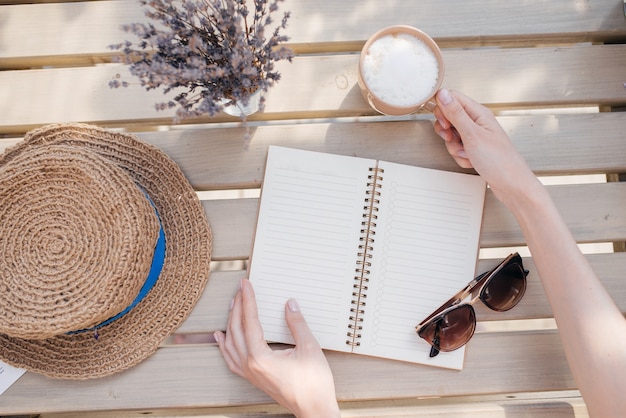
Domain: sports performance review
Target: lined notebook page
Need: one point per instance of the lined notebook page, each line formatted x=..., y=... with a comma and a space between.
x=425, y=250
x=307, y=240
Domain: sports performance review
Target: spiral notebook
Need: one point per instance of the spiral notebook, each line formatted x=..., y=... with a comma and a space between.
x=368, y=248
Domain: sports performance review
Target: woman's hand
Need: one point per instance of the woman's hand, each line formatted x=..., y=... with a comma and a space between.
x=474, y=138
x=583, y=309
x=298, y=378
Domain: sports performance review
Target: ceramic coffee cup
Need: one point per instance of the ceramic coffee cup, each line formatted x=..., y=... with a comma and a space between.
x=400, y=70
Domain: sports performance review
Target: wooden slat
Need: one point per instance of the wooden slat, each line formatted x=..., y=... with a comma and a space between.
x=565, y=144
x=232, y=243
x=553, y=144
x=326, y=86
x=211, y=312
x=202, y=379
x=233, y=223
x=70, y=33
x=560, y=404
x=593, y=212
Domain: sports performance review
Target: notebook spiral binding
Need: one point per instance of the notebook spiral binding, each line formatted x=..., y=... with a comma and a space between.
x=361, y=279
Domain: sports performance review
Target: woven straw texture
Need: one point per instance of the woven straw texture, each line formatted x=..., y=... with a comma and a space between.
x=77, y=237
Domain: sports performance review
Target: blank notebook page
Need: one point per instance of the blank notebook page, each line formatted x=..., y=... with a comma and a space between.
x=307, y=240
x=425, y=251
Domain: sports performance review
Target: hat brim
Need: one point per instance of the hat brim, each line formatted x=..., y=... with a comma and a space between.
x=185, y=273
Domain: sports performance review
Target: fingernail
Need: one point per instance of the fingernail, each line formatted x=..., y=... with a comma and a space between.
x=462, y=153
x=293, y=306
x=445, y=97
x=232, y=303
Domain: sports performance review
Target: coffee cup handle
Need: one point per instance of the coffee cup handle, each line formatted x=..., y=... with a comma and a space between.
x=430, y=105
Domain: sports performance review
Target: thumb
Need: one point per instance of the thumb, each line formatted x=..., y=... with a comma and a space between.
x=458, y=112
x=300, y=330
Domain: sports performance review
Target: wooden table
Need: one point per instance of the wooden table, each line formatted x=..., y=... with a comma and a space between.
x=554, y=71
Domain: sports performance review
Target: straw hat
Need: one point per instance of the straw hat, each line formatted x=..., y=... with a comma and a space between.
x=104, y=251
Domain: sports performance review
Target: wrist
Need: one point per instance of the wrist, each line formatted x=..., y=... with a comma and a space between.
x=523, y=192
x=326, y=410
x=534, y=210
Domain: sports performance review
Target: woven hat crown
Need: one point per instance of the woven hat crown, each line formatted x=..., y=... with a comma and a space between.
x=77, y=237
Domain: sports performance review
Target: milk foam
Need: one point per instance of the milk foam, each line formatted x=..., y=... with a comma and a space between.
x=400, y=69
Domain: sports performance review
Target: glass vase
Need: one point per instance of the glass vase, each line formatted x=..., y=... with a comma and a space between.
x=239, y=110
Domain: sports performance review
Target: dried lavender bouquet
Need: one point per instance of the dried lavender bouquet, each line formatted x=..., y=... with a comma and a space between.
x=211, y=53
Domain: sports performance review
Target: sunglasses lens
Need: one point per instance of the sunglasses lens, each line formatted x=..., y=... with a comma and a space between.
x=505, y=289
x=452, y=330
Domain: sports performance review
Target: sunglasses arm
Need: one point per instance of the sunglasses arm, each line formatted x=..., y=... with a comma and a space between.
x=456, y=299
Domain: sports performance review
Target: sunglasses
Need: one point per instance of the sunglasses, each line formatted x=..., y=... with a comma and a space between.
x=453, y=324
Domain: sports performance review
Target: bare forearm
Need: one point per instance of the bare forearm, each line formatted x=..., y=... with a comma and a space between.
x=592, y=328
